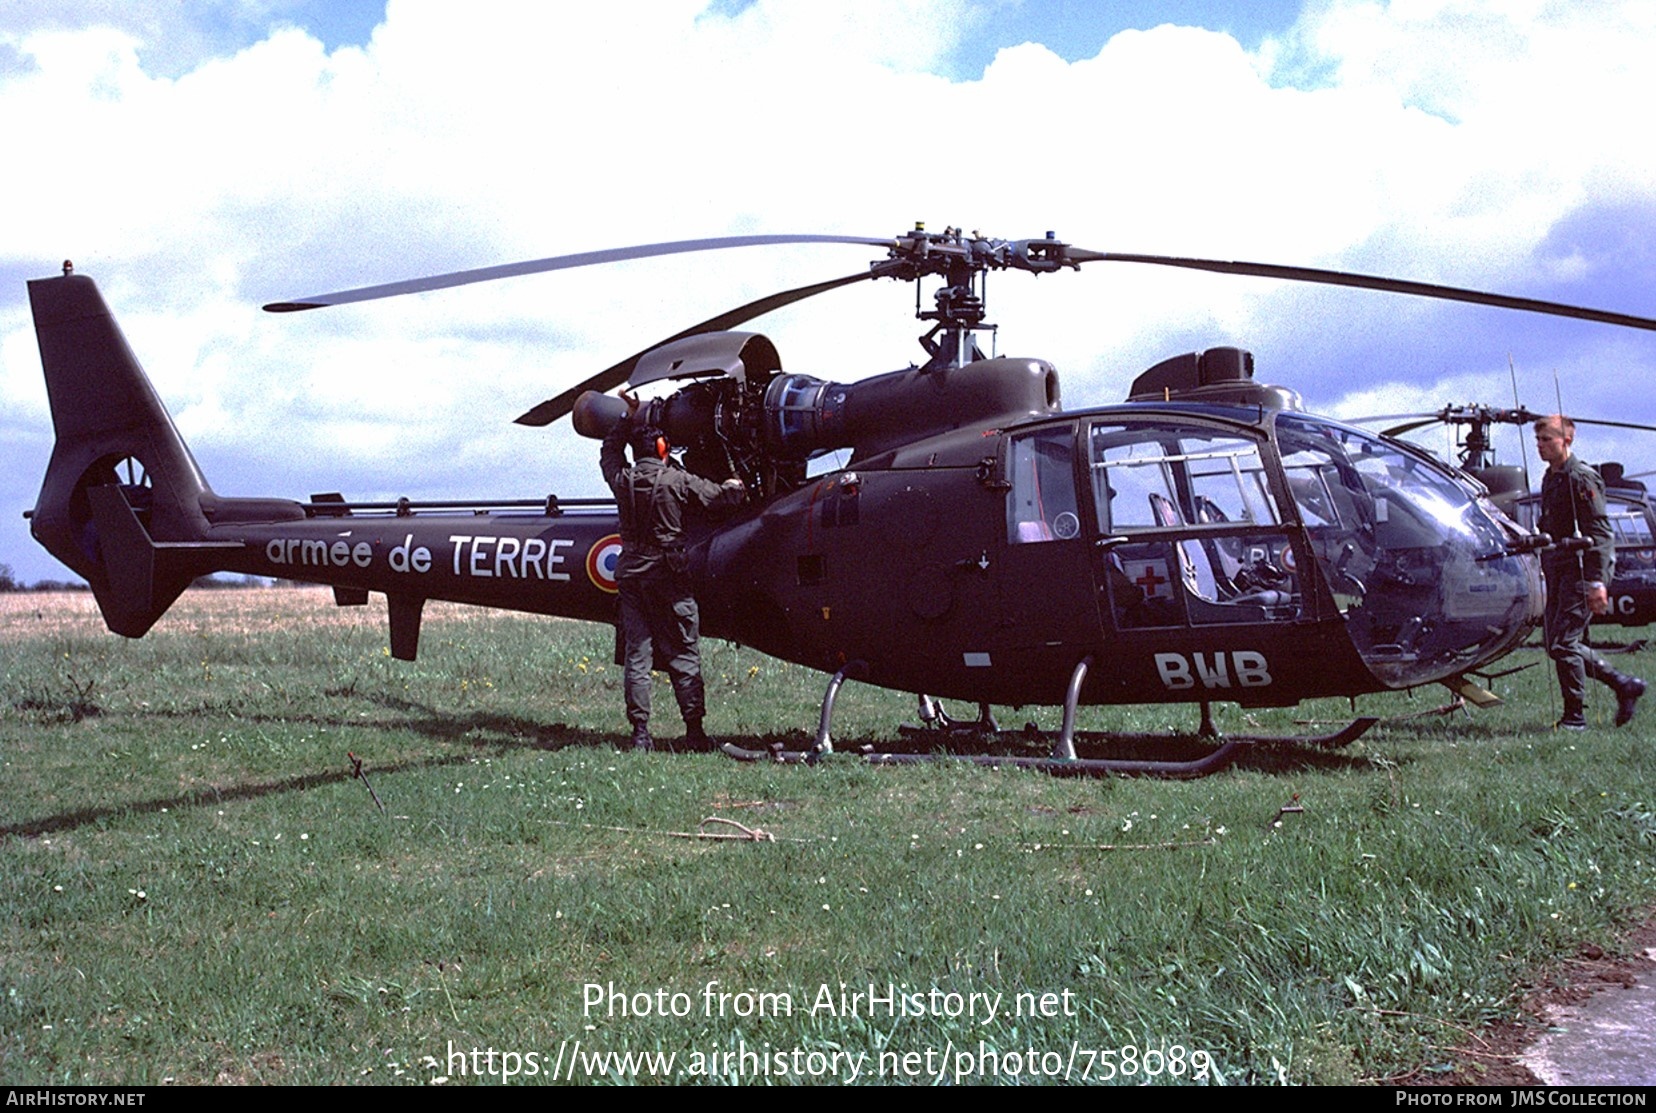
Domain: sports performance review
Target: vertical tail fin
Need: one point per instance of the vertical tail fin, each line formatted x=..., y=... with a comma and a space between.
x=123, y=500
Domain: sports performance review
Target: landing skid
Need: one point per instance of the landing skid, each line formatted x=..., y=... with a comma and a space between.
x=1228, y=749
x=1063, y=760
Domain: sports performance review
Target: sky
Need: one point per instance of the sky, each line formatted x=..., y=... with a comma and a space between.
x=200, y=159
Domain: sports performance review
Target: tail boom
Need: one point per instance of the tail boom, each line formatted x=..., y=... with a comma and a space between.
x=125, y=505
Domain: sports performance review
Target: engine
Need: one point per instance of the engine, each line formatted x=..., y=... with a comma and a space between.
x=742, y=415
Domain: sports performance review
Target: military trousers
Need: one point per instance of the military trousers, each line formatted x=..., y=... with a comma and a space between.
x=660, y=622
x=1567, y=618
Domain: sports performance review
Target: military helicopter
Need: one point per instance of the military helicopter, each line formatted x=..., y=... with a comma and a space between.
x=1208, y=540
x=1632, y=516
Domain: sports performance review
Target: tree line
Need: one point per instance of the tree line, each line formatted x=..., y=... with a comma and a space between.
x=10, y=583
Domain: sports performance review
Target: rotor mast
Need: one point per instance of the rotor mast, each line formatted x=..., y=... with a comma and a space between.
x=963, y=262
x=1477, y=449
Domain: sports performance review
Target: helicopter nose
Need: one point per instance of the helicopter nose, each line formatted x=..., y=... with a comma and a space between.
x=1422, y=571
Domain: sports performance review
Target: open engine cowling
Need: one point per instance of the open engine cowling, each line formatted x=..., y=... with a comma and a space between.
x=747, y=412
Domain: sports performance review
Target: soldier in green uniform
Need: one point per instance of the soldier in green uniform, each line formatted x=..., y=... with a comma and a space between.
x=659, y=617
x=1572, y=506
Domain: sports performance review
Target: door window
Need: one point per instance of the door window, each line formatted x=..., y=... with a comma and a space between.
x=1042, y=503
x=1193, y=534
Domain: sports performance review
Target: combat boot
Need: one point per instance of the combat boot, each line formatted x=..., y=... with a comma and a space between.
x=641, y=740
x=1628, y=691
x=696, y=740
x=1575, y=717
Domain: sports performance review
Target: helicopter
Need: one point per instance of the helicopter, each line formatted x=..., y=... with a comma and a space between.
x=1207, y=540
x=1632, y=515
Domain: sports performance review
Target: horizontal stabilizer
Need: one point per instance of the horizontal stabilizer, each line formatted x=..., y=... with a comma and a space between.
x=141, y=578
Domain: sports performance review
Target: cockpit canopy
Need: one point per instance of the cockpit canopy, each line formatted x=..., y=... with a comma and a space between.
x=1213, y=515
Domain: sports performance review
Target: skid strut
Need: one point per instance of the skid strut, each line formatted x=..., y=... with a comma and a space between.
x=1064, y=748
x=1063, y=760
x=824, y=740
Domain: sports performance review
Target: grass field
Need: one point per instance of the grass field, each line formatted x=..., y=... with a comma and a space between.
x=196, y=889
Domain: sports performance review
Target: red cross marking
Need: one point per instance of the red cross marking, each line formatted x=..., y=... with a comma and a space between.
x=1149, y=581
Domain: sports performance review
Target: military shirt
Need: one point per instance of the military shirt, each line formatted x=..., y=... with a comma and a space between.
x=1572, y=505
x=650, y=497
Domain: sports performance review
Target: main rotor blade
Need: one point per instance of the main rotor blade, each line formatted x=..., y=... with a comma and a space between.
x=1370, y=419
x=1472, y=415
x=1409, y=426
x=557, y=262
x=1375, y=419
x=611, y=377
x=1612, y=424
x=1368, y=282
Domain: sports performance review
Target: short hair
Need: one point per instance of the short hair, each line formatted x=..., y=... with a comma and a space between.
x=1557, y=423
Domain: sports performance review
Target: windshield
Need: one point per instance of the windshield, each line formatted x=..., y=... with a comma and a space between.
x=1415, y=562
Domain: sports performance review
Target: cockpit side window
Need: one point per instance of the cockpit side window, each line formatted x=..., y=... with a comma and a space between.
x=1630, y=523
x=1629, y=520
x=1150, y=476
x=1041, y=505
x=1195, y=531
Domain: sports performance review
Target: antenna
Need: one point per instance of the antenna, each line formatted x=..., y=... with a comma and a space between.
x=1523, y=445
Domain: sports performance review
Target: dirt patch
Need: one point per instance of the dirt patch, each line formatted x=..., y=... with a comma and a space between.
x=1492, y=1056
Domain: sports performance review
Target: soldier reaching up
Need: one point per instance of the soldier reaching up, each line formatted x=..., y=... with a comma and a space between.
x=658, y=608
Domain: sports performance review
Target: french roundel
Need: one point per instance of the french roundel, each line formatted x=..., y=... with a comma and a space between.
x=601, y=561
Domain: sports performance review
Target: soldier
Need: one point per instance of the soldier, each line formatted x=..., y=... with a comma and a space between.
x=658, y=609
x=1572, y=506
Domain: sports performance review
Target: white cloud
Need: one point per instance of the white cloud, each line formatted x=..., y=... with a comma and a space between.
x=1437, y=140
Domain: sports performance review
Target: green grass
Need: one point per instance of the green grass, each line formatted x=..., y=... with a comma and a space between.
x=196, y=890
